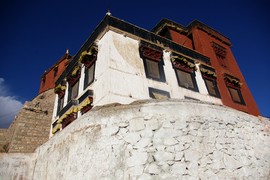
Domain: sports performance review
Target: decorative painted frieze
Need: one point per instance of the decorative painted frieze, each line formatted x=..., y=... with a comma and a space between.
x=183, y=63
x=232, y=81
x=89, y=56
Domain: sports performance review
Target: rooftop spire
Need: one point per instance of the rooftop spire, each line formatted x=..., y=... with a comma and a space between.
x=67, y=51
x=108, y=13
x=108, y=7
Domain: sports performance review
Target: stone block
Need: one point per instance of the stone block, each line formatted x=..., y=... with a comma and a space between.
x=178, y=168
x=153, y=169
x=162, y=156
x=179, y=147
x=152, y=124
x=132, y=138
x=136, y=170
x=191, y=155
x=110, y=130
x=123, y=124
x=167, y=124
x=170, y=141
x=180, y=124
x=143, y=143
x=178, y=156
x=145, y=176
x=170, y=149
x=147, y=133
x=231, y=163
x=137, y=158
x=136, y=124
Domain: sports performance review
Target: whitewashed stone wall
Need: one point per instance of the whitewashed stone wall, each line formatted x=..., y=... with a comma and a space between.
x=157, y=140
x=17, y=166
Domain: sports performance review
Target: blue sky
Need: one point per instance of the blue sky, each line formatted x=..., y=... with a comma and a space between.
x=35, y=34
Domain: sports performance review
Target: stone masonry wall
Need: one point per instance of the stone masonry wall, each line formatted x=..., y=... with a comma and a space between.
x=3, y=140
x=31, y=126
x=158, y=140
x=173, y=139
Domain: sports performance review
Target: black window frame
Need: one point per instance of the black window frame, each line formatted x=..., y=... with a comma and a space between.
x=160, y=69
x=86, y=74
x=209, y=74
x=217, y=95
x=234, y=83
x=70, y=91
x=192, y=74
x=74, y=80
x=158, y=91
x=239, y=93
x=60, y=104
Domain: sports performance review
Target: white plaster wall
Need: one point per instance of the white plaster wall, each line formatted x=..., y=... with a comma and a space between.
x=100, y=86
x=127, y=81
x=120, y=75
x=200, y=82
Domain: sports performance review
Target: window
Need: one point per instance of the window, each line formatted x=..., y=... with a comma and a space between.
x=88, y=58
x=158, y=94
x=209, y=76
x=236, y=95
x=211, y=86
x=89, y=75
x=73, y=91
x=60, y=91
x=153, y=62
x=186, y=79
x=185, y=72
x=60, y=104
x=73, y=80
x=153, y=69
x=234, y=87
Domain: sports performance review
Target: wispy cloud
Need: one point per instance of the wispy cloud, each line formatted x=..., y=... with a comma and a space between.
x=9, y=105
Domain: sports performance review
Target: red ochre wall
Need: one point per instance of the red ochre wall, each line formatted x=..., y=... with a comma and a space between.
x=181, y=39
x=48, y=78
x=202, y=42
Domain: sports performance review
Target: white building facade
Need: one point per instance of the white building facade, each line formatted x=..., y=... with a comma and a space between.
x=118, y=65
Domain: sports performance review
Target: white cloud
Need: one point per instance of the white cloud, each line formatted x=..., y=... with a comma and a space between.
x=9, y=105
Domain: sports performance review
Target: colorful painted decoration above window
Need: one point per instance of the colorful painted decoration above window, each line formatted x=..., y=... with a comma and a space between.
x=148, y=52
x=232, y=81
x=208, y=72
x=87, y=57
x=183, y=63
x=60, y=89
x=74, y=75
